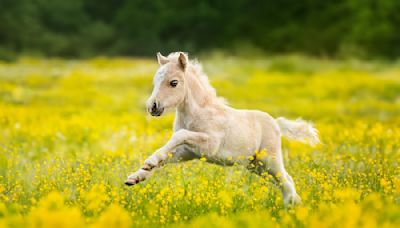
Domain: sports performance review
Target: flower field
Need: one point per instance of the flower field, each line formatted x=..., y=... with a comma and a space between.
x=71, y=132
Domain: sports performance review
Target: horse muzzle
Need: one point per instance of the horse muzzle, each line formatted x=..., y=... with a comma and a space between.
x=155, y=109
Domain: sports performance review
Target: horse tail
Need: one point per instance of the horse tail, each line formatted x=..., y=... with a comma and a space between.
x=298, y=130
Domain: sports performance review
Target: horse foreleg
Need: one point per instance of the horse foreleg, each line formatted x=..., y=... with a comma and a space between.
x=175, y=146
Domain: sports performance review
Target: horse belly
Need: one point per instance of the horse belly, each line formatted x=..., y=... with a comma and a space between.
x=242, y=137
x=237, y=147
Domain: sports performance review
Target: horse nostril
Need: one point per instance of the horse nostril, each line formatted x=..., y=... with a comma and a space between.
x=154, y=107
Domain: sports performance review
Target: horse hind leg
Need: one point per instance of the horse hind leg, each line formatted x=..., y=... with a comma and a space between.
x=274, y=166
x=286, y=183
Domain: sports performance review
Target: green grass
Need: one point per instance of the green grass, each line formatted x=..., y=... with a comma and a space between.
x=70, y=132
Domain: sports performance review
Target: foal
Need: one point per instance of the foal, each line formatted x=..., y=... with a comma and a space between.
x=206, y=126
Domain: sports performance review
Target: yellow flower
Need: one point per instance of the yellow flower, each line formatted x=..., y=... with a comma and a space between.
x=114, y=216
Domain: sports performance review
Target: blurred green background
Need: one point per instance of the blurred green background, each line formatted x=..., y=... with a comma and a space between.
x=85, y=28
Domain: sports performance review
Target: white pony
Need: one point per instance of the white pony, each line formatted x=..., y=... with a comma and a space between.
x=206, y=127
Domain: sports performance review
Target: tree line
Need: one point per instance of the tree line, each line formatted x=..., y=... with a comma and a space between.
x=83, y=28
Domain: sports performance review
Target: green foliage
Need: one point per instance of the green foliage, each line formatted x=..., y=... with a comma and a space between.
x=83, y=28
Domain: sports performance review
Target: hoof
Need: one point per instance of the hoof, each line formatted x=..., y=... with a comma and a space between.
x=292, y=200
x=131, y=181
x=137, y=177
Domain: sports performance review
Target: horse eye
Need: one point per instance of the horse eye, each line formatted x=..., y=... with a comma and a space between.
x=174, y=83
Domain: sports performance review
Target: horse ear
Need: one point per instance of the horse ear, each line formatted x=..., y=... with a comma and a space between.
x=161, y=59
x=183, y=60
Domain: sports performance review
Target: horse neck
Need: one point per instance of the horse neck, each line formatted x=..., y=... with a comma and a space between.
x=197, y=97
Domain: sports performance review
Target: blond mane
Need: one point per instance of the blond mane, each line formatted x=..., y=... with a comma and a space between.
x=196, y=69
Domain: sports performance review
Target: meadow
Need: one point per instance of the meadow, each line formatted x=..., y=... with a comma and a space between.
x=72, y=130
